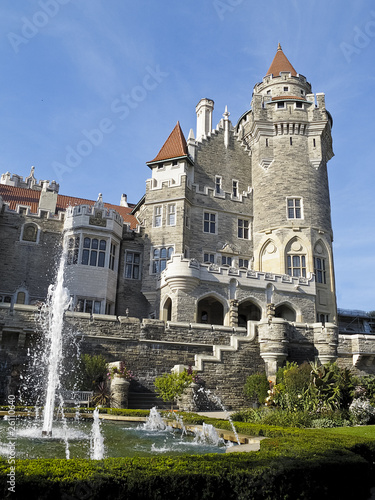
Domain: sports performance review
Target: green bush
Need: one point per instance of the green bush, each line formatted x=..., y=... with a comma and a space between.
x=257, y=387
x=171, y=385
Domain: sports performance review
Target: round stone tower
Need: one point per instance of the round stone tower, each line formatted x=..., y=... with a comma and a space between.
x=288, y=132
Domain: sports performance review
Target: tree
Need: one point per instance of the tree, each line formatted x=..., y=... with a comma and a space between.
x=171, y=385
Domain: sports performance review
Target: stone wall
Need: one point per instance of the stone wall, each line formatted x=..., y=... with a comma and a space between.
x=225, y=356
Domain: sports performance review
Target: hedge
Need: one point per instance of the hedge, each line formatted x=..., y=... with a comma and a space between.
x=295, y=464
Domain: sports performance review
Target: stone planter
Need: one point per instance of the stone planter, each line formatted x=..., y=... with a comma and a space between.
x=119, y=392
x=187, y=401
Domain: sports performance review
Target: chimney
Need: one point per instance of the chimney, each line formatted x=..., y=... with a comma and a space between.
x=124, y=201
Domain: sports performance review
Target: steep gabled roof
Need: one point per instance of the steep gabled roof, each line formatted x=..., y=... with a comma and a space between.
x=14, y=196
x=174, y=147
x=280, y=63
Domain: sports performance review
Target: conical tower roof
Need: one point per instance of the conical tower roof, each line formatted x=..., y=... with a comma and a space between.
x=280, y=63
x=174, y=147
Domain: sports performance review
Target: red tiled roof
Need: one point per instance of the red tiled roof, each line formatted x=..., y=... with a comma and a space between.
x=174, y=147
x=280, y=63
x=28, y=197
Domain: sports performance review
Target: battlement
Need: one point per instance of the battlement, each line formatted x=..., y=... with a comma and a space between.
x=29, y=183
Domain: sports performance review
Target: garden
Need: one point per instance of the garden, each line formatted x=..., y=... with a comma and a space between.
x=318, y=421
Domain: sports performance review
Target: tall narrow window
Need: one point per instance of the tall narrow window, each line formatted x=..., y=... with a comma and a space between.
x=218, y=184
x=209, y=222
x=132, y=265
x=320, y=270
x=294, y=208
x=157, y=216
x=235, y=189
x=171, y=215
x=243, y=229
x=112, y=256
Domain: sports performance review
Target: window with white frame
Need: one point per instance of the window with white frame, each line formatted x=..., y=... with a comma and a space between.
x=132, y=265
x=320, y=270
x=296, y=265
x=157, y=216
x=171, y=220
x=209, y=222
x=243, y=229
x=294, y=208
x=160, y=256
x=218, y=186
x=88, y=305
x=209, y=258
x=93, y=252
x=234, y=188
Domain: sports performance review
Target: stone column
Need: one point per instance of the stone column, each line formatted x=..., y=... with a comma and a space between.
x=233, y=312
x=273, y=340
x=326, y=342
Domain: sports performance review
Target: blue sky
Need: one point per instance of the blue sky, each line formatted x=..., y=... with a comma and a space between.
x=122, y=73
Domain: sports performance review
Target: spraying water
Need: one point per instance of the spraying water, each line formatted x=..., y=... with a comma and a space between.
x=57, y=302
x=97, y=449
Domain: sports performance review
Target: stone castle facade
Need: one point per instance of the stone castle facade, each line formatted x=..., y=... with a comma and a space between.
x=225, y=264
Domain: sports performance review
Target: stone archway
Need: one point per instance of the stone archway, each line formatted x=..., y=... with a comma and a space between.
x=286, y=312
x=248, y=311
x=210, y=311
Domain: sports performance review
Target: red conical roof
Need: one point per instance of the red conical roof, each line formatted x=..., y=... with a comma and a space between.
x=280, y=63
x=174, y=147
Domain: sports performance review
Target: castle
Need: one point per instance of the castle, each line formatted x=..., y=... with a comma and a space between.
x=225, y=264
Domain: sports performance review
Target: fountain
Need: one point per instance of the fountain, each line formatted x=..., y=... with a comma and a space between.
x=57, y=302
x=79, y=438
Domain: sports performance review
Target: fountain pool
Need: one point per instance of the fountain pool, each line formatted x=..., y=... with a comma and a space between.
x=120, y=439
